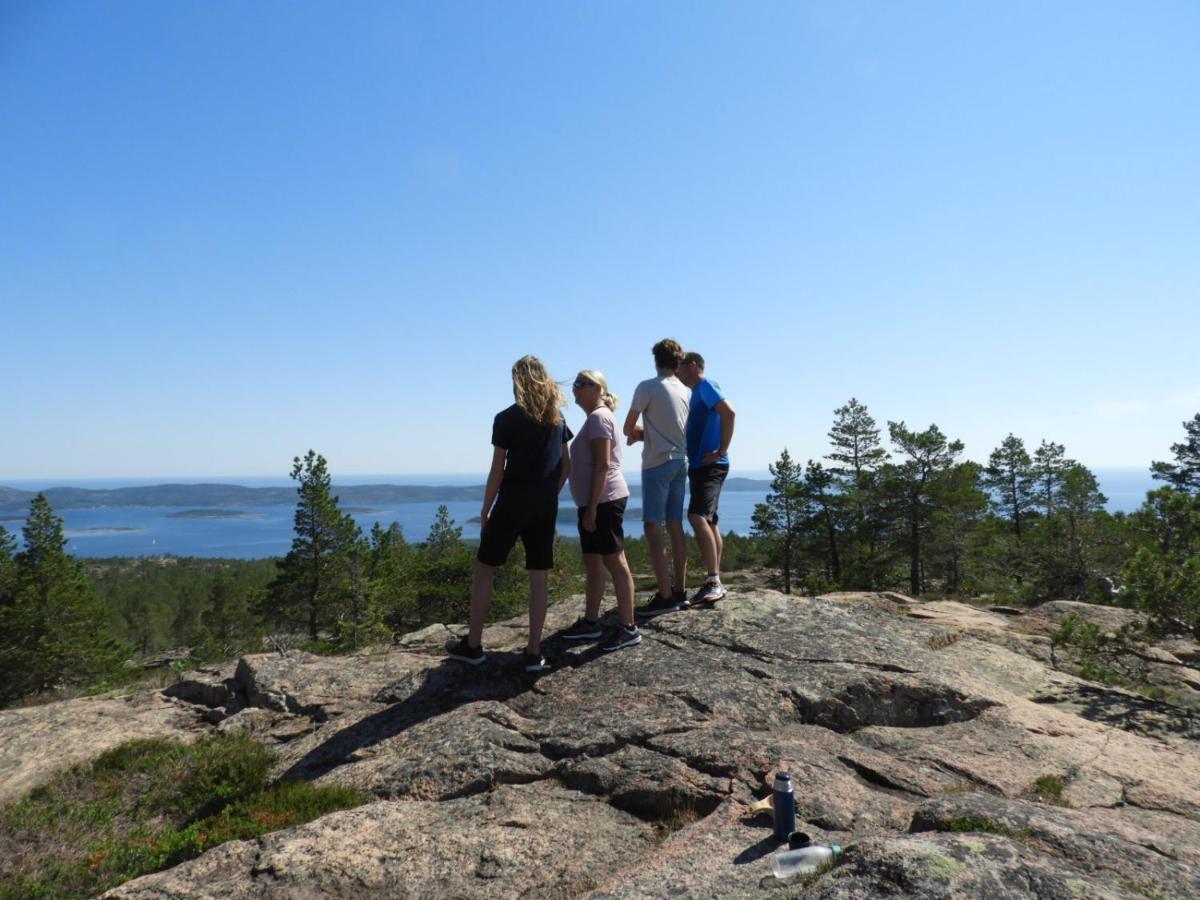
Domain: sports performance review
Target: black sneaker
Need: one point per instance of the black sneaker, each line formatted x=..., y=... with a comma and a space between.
x=534, y=662
x=582, y=630
x=622, y=637
x=710, y=593
x=680, y=596
x=657, y=606
x=464, y=652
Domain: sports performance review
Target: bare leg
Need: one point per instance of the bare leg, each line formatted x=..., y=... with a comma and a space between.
x=658, y=557
x=622, y=586
x=719, y=539
x=679, y=552
x=539, y=599
x=481, y=599
x=594, y=564
x=706, y=537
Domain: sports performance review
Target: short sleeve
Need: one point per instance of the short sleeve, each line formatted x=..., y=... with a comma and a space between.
x=567, y=432
x=710, y=394
x=638, y=403
x=500, y=435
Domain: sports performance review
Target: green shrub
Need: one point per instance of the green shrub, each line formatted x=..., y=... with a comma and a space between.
x=146, y=805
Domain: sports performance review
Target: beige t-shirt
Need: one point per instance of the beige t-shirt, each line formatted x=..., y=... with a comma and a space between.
x=663, y=402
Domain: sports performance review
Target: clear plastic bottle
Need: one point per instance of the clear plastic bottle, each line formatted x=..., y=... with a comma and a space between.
x=803, y=860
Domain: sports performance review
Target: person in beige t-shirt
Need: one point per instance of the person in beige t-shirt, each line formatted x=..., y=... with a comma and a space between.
x=662, y=405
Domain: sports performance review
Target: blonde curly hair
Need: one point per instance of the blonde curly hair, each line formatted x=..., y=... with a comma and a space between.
x=537, y=394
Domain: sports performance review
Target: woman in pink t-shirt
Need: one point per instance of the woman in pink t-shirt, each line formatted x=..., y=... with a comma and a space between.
x=600, y=492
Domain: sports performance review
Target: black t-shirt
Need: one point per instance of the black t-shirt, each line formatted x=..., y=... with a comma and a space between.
x=535, y=452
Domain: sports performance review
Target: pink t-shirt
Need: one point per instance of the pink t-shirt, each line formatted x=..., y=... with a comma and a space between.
x=600, y=424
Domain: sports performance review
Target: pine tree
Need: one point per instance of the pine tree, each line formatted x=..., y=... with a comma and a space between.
x=445, y=566
x=56, y=632
x=315, y=586
x=777, y=518
x=1010, y=478
x=1184, y=473
x=929, y=456
x=1049, y=469
x=825, y=503
x=857, y=455
x=8, y=569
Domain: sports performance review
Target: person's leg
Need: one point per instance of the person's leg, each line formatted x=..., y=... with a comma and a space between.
x=655, y=497
x=719, y=541
x=674, y=513
x=539, y=599
x=481, y=599
x=594, y=565
x=706, y=539
x=657, y=547
x=679, y=553
x=622, y=578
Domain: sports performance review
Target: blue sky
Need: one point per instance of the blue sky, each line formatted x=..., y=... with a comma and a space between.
x=233, y=231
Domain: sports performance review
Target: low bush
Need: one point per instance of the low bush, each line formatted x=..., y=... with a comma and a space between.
x=144, y=806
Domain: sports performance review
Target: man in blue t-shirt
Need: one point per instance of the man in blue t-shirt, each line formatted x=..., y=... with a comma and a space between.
x=708, y=432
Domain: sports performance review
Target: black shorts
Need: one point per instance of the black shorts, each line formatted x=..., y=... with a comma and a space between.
x=526, y=514
x=609, y=536
x=705, y=483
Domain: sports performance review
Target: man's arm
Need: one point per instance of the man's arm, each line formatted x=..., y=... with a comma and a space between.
x=633, y=432
x=725, y=411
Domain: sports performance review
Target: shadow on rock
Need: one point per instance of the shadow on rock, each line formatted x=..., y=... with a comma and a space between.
x=427, y=694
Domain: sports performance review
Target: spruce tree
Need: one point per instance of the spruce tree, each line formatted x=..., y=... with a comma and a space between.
x=444, y=566
x=56, y=631
x=857, y=455
x=314, y=587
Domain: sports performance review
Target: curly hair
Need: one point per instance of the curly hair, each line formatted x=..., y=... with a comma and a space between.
x=667, y=354
x=537, y=394
x=607, y=397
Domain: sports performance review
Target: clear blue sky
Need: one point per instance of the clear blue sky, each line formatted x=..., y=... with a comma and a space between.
x=233, y=231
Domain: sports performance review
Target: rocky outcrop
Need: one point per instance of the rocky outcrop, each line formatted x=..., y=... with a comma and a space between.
x=916, y=743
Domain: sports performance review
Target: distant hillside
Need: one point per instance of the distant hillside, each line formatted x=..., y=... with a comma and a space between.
x=229, y=495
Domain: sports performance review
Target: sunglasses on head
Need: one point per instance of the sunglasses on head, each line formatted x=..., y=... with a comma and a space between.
x=582, y=383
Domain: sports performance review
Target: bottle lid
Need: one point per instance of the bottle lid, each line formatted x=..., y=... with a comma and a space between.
x=784, y=777
x=837, y=849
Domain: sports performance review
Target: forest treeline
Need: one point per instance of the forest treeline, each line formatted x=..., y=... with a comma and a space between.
x=1027, y=527
x=908, y=514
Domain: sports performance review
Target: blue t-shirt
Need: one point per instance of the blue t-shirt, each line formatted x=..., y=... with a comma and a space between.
x=703, y=424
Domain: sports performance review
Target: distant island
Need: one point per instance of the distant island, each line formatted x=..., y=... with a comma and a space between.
x=210, y=514
x=219, y=500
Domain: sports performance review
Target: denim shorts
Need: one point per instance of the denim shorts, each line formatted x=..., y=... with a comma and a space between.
x=662, y=492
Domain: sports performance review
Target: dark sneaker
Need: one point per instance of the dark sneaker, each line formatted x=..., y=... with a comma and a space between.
x=534, y=662
x=622, y=637
x=464, y=652
x=680, y=596
x=657, y=606
x=708, y=595
x=582, y=630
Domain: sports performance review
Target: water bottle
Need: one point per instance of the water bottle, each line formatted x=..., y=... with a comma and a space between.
x=804, y=860
x=785, y=806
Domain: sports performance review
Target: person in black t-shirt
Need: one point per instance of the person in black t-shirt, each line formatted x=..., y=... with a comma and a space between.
x=528, y=471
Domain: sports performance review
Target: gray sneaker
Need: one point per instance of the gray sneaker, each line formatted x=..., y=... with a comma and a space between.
x=622, y=637
x=710, y=593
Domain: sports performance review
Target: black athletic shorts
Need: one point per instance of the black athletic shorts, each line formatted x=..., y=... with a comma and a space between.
x=609, y=536
x=705, y=483
x=525, y=513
